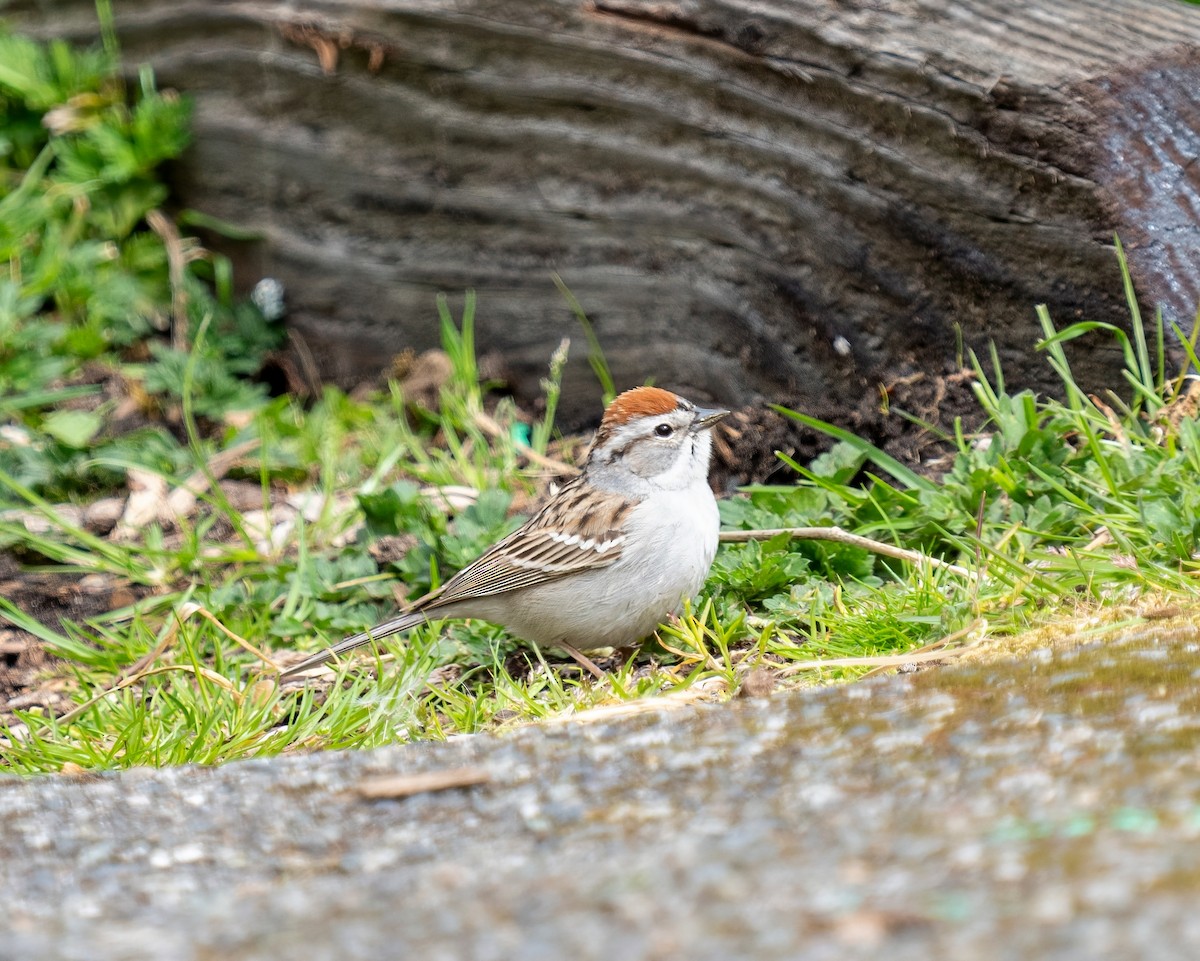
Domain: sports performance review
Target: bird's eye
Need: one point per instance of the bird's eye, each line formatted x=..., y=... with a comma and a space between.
x=664, y=430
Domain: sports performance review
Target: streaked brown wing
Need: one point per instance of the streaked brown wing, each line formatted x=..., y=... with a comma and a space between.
x=546, y=547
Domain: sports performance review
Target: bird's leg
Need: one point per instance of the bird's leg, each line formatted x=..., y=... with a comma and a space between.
x=582, y=659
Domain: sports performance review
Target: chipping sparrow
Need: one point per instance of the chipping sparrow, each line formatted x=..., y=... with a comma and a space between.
x=613, y=552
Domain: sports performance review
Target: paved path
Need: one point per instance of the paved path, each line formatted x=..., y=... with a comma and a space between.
x=1047, y=807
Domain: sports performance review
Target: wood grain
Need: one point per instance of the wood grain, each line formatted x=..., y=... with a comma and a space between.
x=792, y=199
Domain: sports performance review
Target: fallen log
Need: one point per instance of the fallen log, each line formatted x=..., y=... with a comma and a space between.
x=796, y=200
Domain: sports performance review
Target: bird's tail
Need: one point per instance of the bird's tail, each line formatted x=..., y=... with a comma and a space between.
x=377, y=633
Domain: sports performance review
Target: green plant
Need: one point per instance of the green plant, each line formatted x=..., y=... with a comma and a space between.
x=596, y=358
x=1047, y=505
x=93, y=269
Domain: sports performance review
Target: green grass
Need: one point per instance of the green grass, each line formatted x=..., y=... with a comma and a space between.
x=99, y=288
x=1050, y=506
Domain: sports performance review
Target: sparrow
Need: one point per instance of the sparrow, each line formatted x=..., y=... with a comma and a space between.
x=609, y=556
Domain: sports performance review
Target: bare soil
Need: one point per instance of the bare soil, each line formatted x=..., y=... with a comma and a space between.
x=27, y=670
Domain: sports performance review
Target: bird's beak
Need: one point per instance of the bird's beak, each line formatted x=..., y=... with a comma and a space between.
x=707, y=416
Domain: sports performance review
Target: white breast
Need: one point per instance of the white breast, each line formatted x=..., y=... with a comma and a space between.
x=671, y=544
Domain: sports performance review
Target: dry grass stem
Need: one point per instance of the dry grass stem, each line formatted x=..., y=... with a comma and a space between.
x=891, y=660
x=978, y=628
x=236, y=638
x=488, y=425
x=203, y=672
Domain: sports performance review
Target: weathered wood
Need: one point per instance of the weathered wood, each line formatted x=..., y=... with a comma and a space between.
x=792, y=198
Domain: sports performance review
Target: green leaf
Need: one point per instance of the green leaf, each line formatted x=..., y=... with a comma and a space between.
x=75, y=428
x=868, y=450
x=391, y=510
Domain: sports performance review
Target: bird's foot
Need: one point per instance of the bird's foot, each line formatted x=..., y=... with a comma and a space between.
x=582, y=659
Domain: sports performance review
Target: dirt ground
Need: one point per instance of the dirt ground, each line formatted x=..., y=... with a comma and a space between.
x=26, y=669
x=745, y=452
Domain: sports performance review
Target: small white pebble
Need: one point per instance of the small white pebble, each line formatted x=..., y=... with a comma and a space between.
x=268, y=297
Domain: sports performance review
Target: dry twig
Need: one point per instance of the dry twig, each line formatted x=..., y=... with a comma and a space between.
x=935, y=651
x=406, y=785
x=845, y=537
